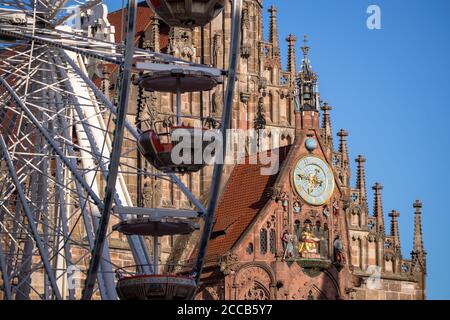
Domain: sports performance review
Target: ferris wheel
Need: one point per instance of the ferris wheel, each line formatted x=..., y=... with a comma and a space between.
x=63, y=150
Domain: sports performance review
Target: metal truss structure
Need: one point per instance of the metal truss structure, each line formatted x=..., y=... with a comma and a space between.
x=63, y=162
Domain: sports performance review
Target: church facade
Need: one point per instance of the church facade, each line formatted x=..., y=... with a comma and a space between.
x=263, y=96
x=305, y=233
x=302, y=233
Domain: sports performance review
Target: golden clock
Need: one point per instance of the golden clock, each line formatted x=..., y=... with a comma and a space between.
x=313, y=180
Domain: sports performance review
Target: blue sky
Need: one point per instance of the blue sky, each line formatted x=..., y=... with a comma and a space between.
x=390, y=89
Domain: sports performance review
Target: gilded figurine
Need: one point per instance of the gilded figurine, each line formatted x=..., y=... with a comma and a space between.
x=309, y=244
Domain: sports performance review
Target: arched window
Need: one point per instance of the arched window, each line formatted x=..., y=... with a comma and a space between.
x=263, y=241
x=271, y=108
x=273, y=242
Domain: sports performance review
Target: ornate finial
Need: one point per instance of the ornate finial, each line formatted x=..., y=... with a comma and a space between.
x=307, y=73
x=326, y=107
x=360, y=159
x=377, y=187
x=291, y=39
x=394, y=214
x=308, y=84
x=418, y=205
x=273, y=9
x=342, y=133
x=305, y=47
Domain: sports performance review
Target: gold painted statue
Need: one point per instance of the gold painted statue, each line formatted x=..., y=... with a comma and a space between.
x=309, y=244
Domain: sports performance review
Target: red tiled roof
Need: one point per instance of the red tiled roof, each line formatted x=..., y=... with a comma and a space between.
x=143, y=15
x=244, y=196
x=143, y=22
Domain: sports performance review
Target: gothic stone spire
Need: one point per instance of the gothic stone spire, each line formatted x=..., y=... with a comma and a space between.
x=344, y=163
x=343, y=134
x=306, y=71
x=273, y=34
x=395, y=233
x=418, y=254
x=292, y=63
x=361, y=179
x=418, y=237
x=378, y=207
x=307, y=82
x=326, y=125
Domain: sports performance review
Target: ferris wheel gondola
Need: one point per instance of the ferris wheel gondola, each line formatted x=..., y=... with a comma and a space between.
x=187, y=13
x=62, y=152
x=158, y=143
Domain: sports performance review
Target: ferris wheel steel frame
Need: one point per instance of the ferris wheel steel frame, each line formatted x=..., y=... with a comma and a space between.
x=66, y=67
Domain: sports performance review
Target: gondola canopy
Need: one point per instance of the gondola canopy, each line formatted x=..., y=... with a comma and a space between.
x=187, y=13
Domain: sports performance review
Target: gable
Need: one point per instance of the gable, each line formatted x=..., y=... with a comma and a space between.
x=244, y=196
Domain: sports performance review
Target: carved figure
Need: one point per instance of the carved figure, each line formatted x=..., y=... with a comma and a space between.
x=309, y=244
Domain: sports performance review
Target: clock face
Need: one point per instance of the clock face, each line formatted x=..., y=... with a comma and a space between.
x=313, y=180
